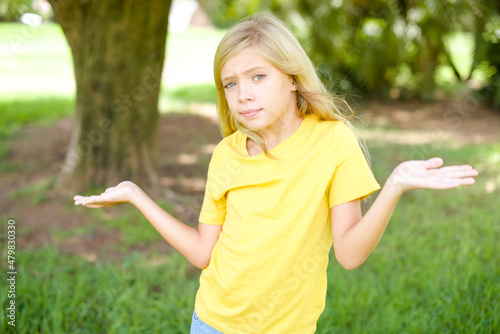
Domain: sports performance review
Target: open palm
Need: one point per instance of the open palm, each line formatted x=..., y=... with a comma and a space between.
x=120, y=194
x=427, y=174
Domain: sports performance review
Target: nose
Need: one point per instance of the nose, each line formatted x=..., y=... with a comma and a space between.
x=244, y=93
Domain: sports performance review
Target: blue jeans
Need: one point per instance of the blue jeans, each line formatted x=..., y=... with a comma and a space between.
x=200, y=327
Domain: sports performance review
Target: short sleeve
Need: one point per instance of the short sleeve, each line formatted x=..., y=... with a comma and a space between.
x=352, y=177
x=213, y=210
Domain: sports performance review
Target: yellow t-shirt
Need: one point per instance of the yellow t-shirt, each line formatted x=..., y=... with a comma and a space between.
x=267, y=273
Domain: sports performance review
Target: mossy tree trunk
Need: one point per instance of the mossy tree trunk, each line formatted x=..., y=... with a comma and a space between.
x=118, y=49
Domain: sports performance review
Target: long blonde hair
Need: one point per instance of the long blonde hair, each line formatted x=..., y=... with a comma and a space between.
x=275, y=42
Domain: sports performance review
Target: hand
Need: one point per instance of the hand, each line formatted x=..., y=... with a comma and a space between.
x=122, y=193
x=427, y=174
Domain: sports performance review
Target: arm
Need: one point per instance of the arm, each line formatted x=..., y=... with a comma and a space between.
x=195, y=245
x=354, y=237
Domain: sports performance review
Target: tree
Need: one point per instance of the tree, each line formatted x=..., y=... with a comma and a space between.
x=118, y=49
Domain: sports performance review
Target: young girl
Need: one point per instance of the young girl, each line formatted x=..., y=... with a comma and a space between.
x=283, y=185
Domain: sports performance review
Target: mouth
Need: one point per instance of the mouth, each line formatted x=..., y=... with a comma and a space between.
x=250, y=113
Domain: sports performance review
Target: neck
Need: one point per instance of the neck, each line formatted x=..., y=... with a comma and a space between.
x=284, y=128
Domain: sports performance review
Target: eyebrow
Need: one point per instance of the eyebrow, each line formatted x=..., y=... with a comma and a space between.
x=232, y=76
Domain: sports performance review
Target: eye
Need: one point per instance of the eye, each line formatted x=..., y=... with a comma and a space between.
x=229, y=85
x=259, y=77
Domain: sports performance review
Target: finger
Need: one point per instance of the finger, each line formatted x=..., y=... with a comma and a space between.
x=94, y=206
x=454, y=168
x=79, y=199
x=433, y=163
x=467, y=181
x=450, y=183
x=469, y=173
x=459, y=172
x=91, y=199
x=457, y=168
x=83, y=199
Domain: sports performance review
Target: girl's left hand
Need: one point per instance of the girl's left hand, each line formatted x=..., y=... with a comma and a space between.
x=426, y=174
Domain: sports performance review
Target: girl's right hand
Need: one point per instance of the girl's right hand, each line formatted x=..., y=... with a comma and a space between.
x=122, y=193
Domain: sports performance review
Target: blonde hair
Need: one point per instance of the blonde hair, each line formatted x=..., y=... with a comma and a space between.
x=275, y=42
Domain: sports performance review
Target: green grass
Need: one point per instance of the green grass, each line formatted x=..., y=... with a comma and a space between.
x=58, y=293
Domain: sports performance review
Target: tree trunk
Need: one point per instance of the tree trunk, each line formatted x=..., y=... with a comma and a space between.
x=118, y=49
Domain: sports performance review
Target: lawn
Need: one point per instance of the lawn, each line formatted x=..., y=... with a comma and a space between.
x=434, y=271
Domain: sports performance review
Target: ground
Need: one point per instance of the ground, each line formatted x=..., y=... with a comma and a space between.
x=186, y=142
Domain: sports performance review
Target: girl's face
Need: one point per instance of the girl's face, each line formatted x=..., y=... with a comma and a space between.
x=258, y=94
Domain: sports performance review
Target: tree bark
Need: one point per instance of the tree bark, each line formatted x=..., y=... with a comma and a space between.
x=118, y=49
